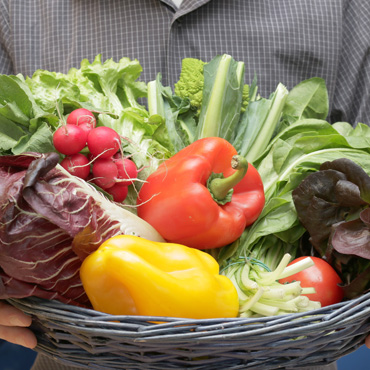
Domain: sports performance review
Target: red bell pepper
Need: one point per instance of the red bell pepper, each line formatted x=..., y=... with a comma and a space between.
x=204, y=196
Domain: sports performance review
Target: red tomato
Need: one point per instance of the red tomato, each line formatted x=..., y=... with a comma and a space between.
x=323, y=278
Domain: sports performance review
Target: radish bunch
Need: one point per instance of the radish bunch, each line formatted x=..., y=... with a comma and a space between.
x=110, y=170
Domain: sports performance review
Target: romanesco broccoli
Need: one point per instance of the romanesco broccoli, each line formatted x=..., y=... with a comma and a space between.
x=191, y=81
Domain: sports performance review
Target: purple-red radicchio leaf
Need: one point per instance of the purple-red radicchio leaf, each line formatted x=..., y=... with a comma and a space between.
x=49, y=222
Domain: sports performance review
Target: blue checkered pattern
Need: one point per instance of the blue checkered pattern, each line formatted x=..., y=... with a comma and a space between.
x=281, y=41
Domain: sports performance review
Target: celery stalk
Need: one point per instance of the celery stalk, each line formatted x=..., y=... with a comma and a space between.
x=260, y=292
x=264, y=309
x=289, y=306
x=296, y=267
x=211, y=115
x=155, y=100
x=309, y=290
x=222, y=97
x=258, y=124
x=265, y=134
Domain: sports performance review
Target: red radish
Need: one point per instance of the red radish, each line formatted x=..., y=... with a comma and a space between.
x=118, y=191
x=77, y=165
x=69, y=139
x=81, y=115
x=103, y=141
x=127, y=170
x=90, y=177
x=83, y=118
x=90, y=157
x=105, y=172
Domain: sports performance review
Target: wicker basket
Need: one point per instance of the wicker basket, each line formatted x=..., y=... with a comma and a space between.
x=92, y=340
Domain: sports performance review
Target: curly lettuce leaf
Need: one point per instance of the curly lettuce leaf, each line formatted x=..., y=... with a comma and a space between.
x=23, y=124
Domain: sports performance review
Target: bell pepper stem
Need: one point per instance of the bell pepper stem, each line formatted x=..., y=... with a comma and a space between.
x=220, y=187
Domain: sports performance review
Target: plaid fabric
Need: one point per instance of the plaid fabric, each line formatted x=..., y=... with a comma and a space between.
x=281, y=41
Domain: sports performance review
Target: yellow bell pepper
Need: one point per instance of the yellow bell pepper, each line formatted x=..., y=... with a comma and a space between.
x=128, y=275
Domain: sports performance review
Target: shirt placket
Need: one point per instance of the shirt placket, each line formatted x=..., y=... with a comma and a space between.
x=174, y=30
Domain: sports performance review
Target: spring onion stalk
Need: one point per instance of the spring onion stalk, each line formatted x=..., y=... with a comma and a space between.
x=259, y=290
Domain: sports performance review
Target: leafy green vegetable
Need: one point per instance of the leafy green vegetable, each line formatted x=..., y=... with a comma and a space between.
x=309, y=99
x=293, y=154
x=117, y=81
x=221, y=92
x=212, y=99
x=259, y=123
x=222, y=97
x=178, y=127
x=24, y=126
x=298, y=151
x=31, y=109
x=265, y=118
x=333, y=206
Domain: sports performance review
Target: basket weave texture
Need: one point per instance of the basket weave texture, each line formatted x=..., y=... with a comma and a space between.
x=81, y=337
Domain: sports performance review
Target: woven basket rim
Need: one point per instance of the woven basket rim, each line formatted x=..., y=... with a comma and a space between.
x=86, y=338
x=72, y=314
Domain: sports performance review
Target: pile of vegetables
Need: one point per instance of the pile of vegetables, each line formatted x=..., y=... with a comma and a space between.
x=35, y=110
x=105, y=170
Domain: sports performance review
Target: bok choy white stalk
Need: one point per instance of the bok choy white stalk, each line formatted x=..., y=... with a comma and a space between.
x=261, y=294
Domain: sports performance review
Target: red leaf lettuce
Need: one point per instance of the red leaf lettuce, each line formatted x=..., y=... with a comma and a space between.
x=333, y=206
